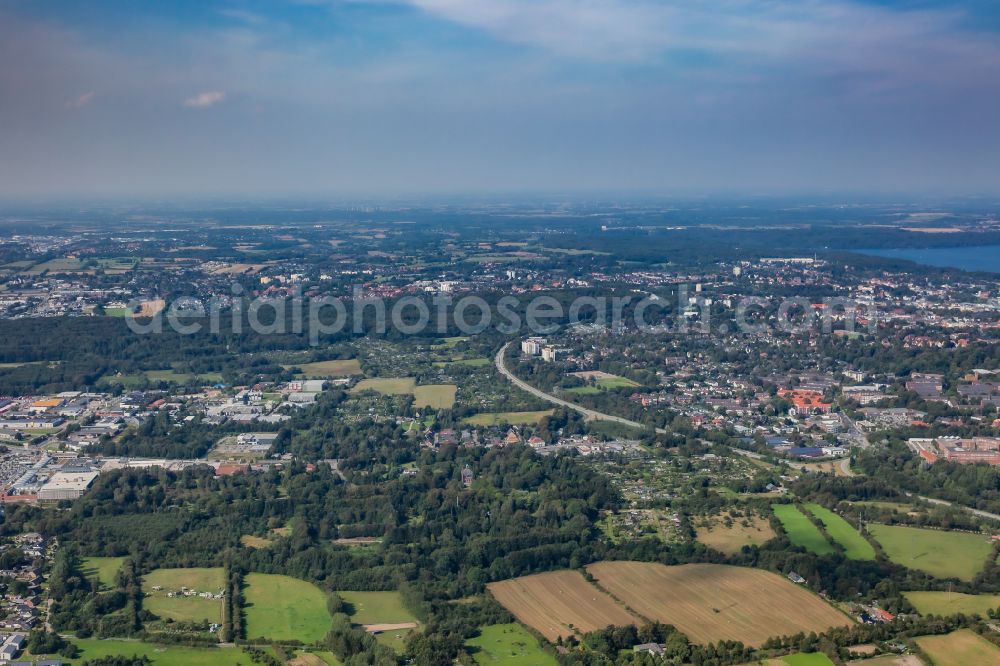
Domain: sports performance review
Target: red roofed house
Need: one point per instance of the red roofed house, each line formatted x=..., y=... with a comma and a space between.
x=883, y=616
x=805, y=401
x=230, y=470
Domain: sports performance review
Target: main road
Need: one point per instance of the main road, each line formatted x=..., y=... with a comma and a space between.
x=538, y=393
x=845, y=464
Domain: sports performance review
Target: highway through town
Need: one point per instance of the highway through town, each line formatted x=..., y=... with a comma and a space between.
x=589, y=413
x=845, y=464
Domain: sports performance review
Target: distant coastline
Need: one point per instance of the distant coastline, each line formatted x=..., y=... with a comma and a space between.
x=971, y=258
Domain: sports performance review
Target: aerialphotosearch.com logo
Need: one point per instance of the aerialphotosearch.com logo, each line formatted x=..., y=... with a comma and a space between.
x=471, y=314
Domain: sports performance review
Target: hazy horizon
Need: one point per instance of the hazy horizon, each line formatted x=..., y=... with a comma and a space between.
x=449, y=98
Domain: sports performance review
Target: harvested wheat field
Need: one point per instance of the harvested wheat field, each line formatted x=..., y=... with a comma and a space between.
x=713, y=602
x=560, y=603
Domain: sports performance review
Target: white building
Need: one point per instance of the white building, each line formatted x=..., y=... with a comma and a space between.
x=66, y=486
x=532, y=346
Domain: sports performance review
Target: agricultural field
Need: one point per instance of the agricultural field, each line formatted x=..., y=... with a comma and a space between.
x=161, y=655
x=941, y=553
x=855, y=546
x=890, y=660
x=104, y=569
x=801, y=530
x=386, y=385
x=828, y=467
x=728, y=534
x=601, y=380
x=478, y=362
x=959, y=648
x=377, y=608
x=807, y=659
x=284, y=608
x=436, y=396
x=951, y=603
x=508, y=645
x=382, y=613
x=507, y=418
x=118, y=264
x=713, y=602
x=461, y=362
x=171, y=603
x=559, y=603
x=324, y=369
x=898, y=507
x=61, y=265
x=317, y=658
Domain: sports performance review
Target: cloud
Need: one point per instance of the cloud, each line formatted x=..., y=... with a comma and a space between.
x=838, y=32
x=81, y=101
x=205, y=99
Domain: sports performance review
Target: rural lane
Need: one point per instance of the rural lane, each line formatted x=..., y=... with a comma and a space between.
x=589, y=413
x=969, y=509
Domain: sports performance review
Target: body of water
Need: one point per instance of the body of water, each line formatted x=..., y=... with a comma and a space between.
x=983, y=258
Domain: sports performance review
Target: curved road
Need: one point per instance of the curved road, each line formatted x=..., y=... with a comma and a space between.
x=845, y=464
x=538, y=393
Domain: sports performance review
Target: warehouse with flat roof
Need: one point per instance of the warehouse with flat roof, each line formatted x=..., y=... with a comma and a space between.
x=66, y=486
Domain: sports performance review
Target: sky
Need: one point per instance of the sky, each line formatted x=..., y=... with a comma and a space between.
x=139, y=98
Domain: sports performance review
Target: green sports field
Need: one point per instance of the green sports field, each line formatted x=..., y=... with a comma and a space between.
x=285, y=608
x=508, y=645
x=800, y=529
x=952, y=603
x=855, y=546
x=941, y=553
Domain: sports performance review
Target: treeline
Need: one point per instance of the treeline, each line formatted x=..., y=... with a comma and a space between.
x=976, y=486
x=80, y=605
x=233, y=626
